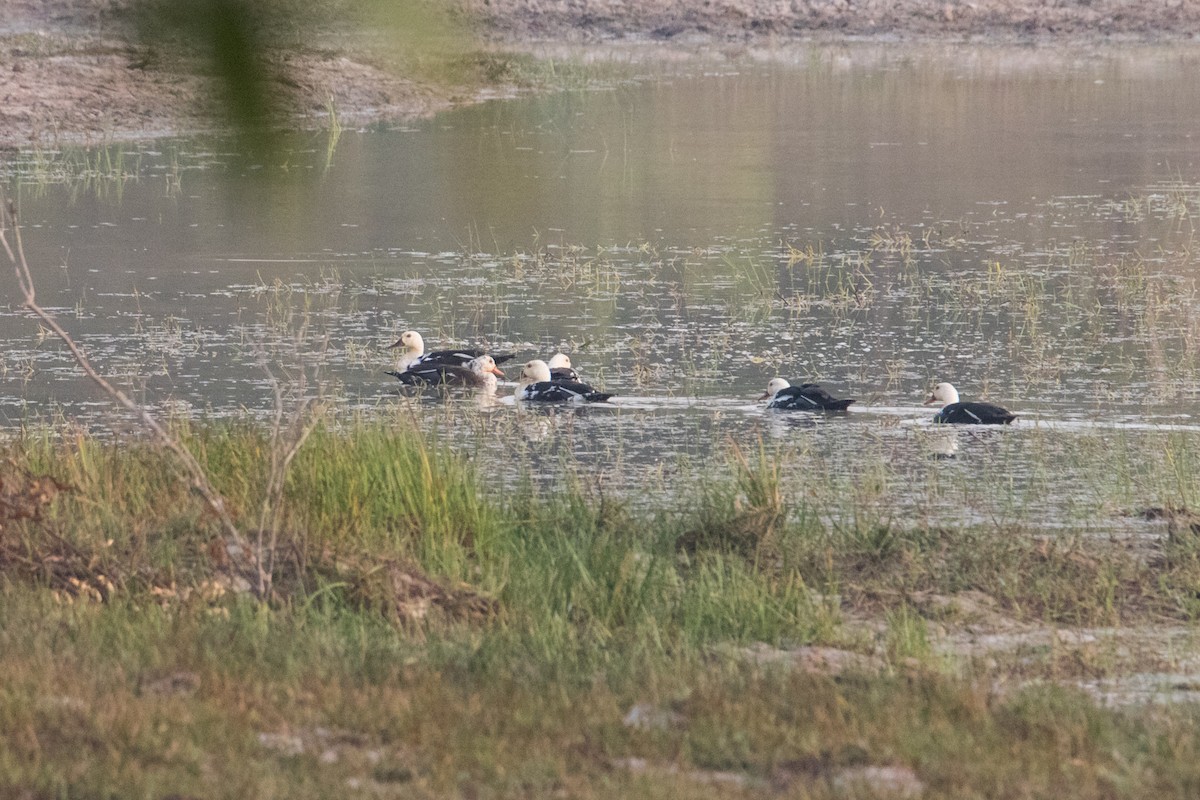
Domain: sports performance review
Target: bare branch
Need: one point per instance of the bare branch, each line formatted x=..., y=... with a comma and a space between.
x=199, y=479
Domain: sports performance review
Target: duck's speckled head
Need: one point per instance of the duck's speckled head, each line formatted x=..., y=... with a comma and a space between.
x=485, y=364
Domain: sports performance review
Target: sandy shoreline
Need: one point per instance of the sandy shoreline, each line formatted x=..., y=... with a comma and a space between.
x=69, y=74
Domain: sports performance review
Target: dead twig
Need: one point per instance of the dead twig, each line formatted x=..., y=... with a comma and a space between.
x=288, y=434
x=258, y=575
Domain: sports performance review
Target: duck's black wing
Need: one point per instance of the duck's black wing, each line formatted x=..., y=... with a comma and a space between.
x=564, y=374
x=792, y=399
x=974, y=414
x=808, y=397
x=828, y=402
x=453, y=358
x=562, y=391
x=460, y=356
x=437, y=375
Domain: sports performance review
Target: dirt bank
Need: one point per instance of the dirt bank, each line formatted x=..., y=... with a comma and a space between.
x=1002, y=20
x=72, y=71
x=69, y=72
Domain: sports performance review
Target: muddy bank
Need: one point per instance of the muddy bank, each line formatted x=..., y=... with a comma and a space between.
x=999, y=20
x=70, y=73
x=87, y=90
x=73, y=72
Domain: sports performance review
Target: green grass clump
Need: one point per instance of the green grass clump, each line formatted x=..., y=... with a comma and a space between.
x=382, y=488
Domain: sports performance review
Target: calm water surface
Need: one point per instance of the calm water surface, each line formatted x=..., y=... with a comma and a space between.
x=1017, y=221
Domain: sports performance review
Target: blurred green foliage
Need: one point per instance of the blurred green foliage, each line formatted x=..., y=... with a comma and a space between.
x=248, y=46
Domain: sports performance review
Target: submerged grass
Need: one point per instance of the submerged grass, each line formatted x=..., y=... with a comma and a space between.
x=532, y=645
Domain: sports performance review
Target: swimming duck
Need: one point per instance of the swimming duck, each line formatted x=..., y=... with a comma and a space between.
x=478, y=373
x=561, y=369
x=957, y=413
x=536, y=384
x=414, y=353
x=805, y=397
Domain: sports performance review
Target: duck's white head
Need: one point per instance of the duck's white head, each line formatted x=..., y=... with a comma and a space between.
x=412, y=346
x=535, y=371
x=774, y=387
x=559, y=361
x=484, y=365
x=412, y=343
x=943, y=393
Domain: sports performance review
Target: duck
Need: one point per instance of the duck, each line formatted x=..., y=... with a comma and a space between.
x=805, y=397
x=414, y=353
x=958, y=413
x=561, y=369
x=537, y=384
x=478, y=373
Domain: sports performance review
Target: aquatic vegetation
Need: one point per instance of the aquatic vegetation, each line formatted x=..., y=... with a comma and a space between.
x=100, y=172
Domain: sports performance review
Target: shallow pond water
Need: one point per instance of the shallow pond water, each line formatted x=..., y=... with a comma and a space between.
x=1016, y=220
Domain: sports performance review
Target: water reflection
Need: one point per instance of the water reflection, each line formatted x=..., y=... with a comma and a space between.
x=943, y=442
x=873, y=218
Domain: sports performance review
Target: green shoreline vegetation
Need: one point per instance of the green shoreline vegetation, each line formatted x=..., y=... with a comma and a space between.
x=428, y=639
